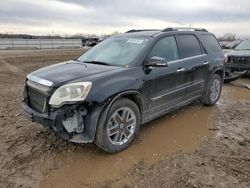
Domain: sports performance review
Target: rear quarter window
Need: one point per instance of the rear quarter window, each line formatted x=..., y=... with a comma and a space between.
x=188, y=45
x=210, y=42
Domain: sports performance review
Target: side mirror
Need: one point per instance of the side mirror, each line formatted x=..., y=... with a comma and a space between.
x=156, y=62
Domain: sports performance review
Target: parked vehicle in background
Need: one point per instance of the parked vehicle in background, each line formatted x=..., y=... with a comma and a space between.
x=227, y=45
x=238, y=59
x=102, y=38
x=90, y=42
x=125, y=81
x=84, y=40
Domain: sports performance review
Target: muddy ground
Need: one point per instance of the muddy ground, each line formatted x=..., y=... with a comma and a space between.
x=196, y=146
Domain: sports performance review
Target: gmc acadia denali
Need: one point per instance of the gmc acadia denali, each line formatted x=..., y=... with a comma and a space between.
x=125, y=81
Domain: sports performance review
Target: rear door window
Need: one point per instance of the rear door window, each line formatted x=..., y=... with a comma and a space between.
x=165, y=48
x=189, y=46
x=209, y=41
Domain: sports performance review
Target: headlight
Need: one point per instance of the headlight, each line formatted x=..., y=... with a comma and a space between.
x=70, y=93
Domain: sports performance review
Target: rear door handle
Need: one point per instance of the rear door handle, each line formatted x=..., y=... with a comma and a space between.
x=204, y=64
x=180, y=69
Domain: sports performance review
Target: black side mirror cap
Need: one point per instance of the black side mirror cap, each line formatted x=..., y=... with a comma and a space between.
x=156, y=62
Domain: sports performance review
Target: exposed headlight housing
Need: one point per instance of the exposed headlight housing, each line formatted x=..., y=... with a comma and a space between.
x=70, y=93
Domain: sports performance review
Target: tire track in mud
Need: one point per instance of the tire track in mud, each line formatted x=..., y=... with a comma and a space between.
x=8, y=66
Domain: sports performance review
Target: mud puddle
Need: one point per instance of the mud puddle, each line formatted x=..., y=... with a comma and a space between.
x=238, y=90
x=182, y=130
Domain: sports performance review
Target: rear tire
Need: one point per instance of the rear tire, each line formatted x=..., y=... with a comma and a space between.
x=118, y=129
x=213, y=91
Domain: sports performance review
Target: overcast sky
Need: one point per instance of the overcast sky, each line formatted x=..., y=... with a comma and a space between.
x=106, y=16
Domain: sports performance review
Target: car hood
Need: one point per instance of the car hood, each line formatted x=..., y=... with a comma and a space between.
x=239, y=53
x=69, y=71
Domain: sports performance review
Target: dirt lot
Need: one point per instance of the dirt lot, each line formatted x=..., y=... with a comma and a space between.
x=196, y=146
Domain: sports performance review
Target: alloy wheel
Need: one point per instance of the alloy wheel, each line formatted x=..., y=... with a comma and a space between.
x=215, y=90
x=121, y=126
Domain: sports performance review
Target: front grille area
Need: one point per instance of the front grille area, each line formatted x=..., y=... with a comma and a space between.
x=37, y=100
x=240, y=60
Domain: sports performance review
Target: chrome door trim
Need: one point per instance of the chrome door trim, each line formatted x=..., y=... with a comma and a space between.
x=160, y=96
x=187, y=58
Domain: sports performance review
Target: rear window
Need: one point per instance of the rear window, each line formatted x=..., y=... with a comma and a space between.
x=210, y=42
x=189, y=46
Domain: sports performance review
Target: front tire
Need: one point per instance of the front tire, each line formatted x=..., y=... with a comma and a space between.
x=118, y=129
x=213, y=90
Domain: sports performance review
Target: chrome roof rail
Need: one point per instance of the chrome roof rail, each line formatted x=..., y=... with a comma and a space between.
x=184, y=29
x=140, y=30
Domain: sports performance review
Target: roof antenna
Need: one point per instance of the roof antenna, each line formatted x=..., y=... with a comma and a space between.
x=190, y=26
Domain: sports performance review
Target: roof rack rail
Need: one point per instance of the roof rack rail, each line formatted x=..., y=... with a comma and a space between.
x=140, y=30
x=184, y=29
x=169, y=29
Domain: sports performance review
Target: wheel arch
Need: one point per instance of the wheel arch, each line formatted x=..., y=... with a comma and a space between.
x=205, y=96
x=132, y=95
x=220, y=72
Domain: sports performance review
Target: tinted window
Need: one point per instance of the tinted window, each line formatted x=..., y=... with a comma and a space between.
x=210, y=42
x=166, y=48
x=189, y=46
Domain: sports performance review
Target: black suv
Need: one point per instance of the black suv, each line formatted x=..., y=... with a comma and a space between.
x=125, y=81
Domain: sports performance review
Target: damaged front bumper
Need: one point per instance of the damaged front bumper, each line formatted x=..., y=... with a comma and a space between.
x=76, y=123
x=232, y=67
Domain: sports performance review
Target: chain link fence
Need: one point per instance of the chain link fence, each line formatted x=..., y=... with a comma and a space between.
x=18, y=43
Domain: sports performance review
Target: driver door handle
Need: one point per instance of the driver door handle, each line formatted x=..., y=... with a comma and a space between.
x=205, y=63
x=180, y=69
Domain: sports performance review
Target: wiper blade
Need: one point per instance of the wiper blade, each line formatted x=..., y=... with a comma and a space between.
x=77, y=60
x=97, y=62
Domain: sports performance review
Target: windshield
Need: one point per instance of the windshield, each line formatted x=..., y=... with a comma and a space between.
x=117, y=51
x=244, y=45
